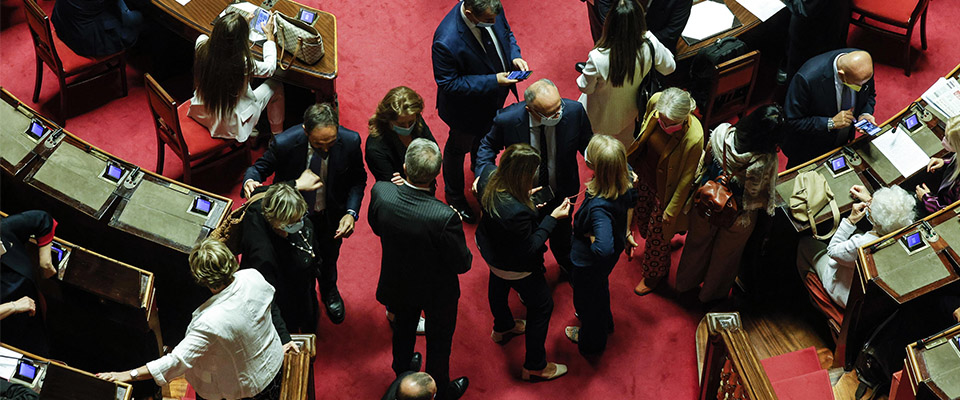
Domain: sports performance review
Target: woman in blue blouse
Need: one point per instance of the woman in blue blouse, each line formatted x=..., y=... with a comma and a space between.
x=599, y=236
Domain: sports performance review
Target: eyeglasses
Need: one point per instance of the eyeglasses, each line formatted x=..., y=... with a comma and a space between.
x=551, y=116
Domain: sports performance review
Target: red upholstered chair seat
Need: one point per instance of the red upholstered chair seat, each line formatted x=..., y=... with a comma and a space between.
x=894, y=10
x=73, y=62
x=196, y=136
x=821, y=300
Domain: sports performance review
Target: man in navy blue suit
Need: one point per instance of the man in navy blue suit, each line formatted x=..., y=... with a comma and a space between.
x=558, y=128
x=826, y=97
x=473, y=50
x=332, y=153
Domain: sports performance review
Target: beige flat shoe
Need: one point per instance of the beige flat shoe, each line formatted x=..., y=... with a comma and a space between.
x=519, y=328
x=552, y=371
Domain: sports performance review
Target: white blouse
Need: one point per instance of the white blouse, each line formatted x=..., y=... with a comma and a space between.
x=238, y=124
x=835, y=269
x=612, y=110
x=231, y=349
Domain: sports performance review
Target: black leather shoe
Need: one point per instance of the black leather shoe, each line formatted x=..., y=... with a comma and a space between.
x=580, y=66
x=457, y=388
x=335, y=308
x=416, y=362
x=466, y=214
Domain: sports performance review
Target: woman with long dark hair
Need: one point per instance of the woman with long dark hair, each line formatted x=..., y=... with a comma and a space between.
x=615, y=68
x=223, y=99
x=512, y=239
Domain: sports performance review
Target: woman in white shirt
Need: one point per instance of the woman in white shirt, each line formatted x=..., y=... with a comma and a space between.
x=223, y=100
x=232, y=348
x=615, y=68
x=889, y=210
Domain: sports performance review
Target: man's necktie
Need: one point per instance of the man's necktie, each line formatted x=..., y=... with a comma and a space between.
x=491, y=49
x=320, y=168
x=544, y=171
x=846, y=102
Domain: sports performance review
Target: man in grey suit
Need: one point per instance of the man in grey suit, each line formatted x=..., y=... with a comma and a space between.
x=424, y=251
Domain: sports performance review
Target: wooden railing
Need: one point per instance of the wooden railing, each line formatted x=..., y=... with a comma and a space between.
x=731, y=369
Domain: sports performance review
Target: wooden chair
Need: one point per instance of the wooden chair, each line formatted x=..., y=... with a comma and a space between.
x=731, y=368
x=63, y=61
x=731, y=89
x=298, y=369
x=188, y=139
x=893, y=16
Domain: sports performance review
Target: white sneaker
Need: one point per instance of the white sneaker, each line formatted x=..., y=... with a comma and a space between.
x=422, y=326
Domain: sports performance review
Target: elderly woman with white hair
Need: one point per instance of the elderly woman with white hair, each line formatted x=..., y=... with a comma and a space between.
x=889, y=210
x=665, y=157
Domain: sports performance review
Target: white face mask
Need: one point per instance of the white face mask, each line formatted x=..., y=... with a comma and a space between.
x=484, y=24
x=946, y=144
x=294, y=227
x=403, y=131
x=551, y=120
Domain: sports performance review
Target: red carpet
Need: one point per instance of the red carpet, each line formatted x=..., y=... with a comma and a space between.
x=651, y=355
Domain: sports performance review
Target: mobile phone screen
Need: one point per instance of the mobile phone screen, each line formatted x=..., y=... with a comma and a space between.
x=262, y=17
x=518, y=75
x=867, y=127
x=543, y=195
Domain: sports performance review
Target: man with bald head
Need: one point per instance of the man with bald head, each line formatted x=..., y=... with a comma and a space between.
x=412, y=386
x=826, y=97
x=558, y=128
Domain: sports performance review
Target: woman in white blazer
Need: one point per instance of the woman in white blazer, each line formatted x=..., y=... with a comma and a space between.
x=609, y=81
x=223, y=99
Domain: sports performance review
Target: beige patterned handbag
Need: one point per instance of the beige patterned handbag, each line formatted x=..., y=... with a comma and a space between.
x=299, y=39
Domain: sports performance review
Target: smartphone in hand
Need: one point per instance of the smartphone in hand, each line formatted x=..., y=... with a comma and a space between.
x=519, y=75
x=543, y=196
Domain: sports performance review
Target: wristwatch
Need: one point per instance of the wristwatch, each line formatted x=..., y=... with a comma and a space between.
x=830, y=124
x=133, y=373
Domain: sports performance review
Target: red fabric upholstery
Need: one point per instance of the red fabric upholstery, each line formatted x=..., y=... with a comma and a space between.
x=820, y=298
x=72, y=61
x=896, y=10
x=798, y=376
x=789, y=365
x=900, y=387
x=196, y=136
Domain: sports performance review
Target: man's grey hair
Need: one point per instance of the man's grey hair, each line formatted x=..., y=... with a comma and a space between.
x=537, y=87
x=422, y=161
x=484, y=6
x=892, y=208
x=676, y=104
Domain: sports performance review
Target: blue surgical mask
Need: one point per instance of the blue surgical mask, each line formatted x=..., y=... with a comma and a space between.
x=403, y=131
x=294, y=227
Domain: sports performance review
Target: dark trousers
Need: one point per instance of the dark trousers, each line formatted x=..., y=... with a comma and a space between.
x=441, y=322
x=591, y=299
x=325, y=225
x=459, y=143
x=536, y=294
x=561, y=238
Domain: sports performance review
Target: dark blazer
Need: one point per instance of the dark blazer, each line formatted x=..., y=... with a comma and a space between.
x=514, y=239
x=606, y=220
x=287, y=157
x=18, y=271
x=512, y=125
x=384, y=153
x=468, y=95
x=665, y=18
x=424, y=248
x=94, y=28
x=812, y=100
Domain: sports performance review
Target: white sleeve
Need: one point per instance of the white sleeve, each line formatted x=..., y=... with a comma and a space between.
x=265, y=68
x=663, y=59
x=181, y=359
x=843, y=247
x=587, y=81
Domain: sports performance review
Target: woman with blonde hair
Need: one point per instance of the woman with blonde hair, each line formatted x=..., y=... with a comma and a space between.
x=949, y=190
x=393, y=126
x=599, y=236
x=223, y=99
x=512, y=239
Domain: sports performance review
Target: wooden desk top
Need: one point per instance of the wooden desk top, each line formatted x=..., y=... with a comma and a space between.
x=125, y=391
x=934, y=361
x=198, y=15
x=747, y=18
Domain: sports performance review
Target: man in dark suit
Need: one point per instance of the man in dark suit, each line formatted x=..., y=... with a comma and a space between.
x=543, y=116
x=816, y=26
x=665, y=18
x=424, y=249
x=412, y=385
x=826, y=97
x=473, y=48
x=333, y=153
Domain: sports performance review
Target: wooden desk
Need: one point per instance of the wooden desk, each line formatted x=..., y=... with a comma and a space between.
x=197, y=18
x=68, y=383
x=933, y=365
x=747, y=18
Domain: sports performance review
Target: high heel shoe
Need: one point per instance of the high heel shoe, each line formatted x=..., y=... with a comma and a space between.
x=519, y=328
x=552, y=371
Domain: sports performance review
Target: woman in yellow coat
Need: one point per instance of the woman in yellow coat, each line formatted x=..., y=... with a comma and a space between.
x=665, y=157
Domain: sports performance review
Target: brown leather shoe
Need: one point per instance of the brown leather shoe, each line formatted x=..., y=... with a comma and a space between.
x=552, y=371
x=646, y=286
x=519, y=328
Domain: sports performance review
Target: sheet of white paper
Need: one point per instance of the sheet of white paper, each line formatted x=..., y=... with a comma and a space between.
x=183, y=2
x=763, y=9
x=902, y=151
x=708, y=18
x=8, y=362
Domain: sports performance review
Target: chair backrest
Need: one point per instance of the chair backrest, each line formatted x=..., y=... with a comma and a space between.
x=165, y=117
x=731, y=88
x=39, y=24
x=731, y=368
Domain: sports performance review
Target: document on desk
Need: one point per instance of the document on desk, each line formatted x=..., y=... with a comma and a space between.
x=944, y=95
x=898, y=147
x=763, y=9
x=8, y=362
x=708, y=18
x=183, y=2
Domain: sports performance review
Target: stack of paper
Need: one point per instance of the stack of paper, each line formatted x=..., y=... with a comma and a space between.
x=898, y=147
x=763, y=9
x=944, y=96
x=708, y=18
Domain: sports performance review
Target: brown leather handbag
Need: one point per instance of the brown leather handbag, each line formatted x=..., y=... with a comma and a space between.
x=714, y=200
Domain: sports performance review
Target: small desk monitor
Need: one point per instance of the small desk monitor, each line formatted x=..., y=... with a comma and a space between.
x=57, y=253
x=912, y=123
x=35, y=130
x=112, y=172
x=26, y=373
x=838, y=165
x=913, y=242
x=201, y=206
x=307, y=16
